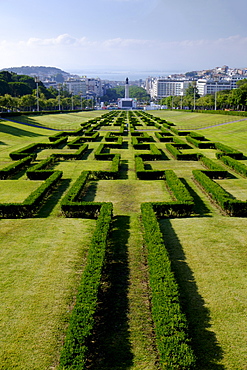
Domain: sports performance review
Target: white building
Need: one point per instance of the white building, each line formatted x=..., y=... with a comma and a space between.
x=163, y=87
x=94, y=86
x=210, y=86
x=76, y=86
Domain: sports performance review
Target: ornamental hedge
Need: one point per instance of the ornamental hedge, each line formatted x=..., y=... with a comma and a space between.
x=144, y=174
x=174, y=150
x=15, y=167
x=227, y=150
x=237, y=166
x=171, y=329
x=33, y=202
x=225, y=200
x=82, y=320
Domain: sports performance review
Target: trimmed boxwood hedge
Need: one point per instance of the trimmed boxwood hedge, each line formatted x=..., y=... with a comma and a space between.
x=237, y=166
x=15, y=167
x=33, y=202
x=227, y=150
x=170, y=323
x=226, y=201
x=143, y=174
x=82, y=320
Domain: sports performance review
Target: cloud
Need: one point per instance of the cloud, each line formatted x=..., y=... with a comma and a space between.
x=71, y=52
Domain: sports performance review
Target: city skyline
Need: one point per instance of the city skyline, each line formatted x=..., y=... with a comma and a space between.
x=125, y=35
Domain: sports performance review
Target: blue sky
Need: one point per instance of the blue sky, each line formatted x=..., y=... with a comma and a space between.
x=138, y=35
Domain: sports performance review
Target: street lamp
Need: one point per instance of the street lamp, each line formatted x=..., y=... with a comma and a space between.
x=72, y=101
x=216, y=88
x=59, y=96
x=37, y=91
x=194, y=85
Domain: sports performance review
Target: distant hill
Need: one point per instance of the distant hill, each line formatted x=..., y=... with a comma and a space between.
x=40, y=71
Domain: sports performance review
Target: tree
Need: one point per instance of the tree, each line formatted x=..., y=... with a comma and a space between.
x=19, y=89
x=27, y=101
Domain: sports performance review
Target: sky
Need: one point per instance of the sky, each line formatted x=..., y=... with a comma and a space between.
x=123, y=35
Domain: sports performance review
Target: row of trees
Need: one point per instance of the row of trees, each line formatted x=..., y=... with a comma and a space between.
x=31, y=102
x=235, y=99
x=20, y=92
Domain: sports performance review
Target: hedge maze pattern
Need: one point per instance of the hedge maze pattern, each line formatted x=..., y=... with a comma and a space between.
x=155, y=143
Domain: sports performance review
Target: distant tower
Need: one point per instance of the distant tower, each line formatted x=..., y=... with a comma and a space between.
x=127, y=88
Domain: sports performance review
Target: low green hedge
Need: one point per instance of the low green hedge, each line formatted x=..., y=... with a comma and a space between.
x=143, y=174
x=15, y=167
x=170, y=323
x=32, y=148
x=68, y=156
x=178, y=189
x=213, y=166
x=111, y=174
x=227, y=150
x=82, y=320
x=237, y=166
x=33, y=202
x=226, y=201
x=173, y=149
x=199, y=143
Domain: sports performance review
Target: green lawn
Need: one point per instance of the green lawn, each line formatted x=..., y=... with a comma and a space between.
x=41, y=259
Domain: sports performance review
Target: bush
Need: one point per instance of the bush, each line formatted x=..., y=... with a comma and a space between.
x=170, y=323
x=15, y=167
x=81, y=324
x=237, y=166
x=227, y=150
x=33, y=202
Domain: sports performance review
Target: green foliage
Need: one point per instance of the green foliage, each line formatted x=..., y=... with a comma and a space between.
x=227, y=150
x=218, y=170
x=225, y=200
x=235, y=165
x=15, y=167
x=170, y=323
x=33, y=202
x=73, y=355
x=143, y=174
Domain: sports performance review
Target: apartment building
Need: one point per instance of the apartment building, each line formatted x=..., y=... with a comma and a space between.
x=76, y=86
x=162, y=87
x=210, y=86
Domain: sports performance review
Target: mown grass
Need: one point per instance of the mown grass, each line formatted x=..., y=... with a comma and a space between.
x=42, y=259
x=17, y=191
x=41, y=263
x=209, y=259
x=61, y=121
x=192, y=121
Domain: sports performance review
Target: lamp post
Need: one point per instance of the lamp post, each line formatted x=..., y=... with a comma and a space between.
x=37, y=91
x=215, y=98
x=59, y=97
x=72, y=101
x=194, y=85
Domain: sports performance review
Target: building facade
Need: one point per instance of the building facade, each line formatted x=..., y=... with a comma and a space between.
x=163, y=87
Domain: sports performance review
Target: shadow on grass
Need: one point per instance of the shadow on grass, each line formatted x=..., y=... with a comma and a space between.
x=53, y=199
x=125, y=145
x=89, y=193
x=110, y=347
x=201, y=210
x=203, y=340
x=123, y=173
x=8, y=129
x=86, y=154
